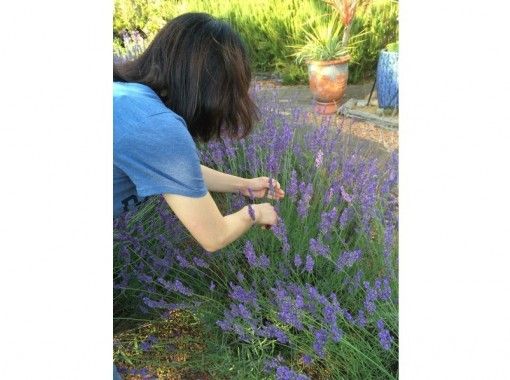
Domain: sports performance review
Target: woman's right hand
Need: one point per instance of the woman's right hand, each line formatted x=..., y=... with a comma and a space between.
x=265, y=214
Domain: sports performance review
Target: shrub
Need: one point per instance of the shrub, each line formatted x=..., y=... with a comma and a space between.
x=315, y=296
x=269, y=28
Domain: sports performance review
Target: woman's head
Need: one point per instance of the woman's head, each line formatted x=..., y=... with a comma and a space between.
x=199, y=67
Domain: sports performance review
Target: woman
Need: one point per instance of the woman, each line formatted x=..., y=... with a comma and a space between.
x=191, y=83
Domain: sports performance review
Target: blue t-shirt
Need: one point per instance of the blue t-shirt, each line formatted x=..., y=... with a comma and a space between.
x=153, y=151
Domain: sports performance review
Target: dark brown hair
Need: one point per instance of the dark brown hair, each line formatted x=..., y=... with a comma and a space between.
x=199, y=67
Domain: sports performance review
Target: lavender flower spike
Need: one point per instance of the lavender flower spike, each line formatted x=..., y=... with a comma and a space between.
x=345, y=195
x=249, y=253
x=292, y=188
x=321, y=337
x=384, y=335
x=318, y=159
x=297, y=260
x=309, y=264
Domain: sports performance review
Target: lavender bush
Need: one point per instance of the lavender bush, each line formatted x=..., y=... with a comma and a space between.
x=315, y=296
x=132, y=46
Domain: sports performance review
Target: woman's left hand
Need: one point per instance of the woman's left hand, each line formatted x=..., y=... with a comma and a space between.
x=261, y=186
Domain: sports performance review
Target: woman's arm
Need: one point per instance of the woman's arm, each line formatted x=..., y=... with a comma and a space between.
x=213, y=231
x=222, y=182
x=226, y=183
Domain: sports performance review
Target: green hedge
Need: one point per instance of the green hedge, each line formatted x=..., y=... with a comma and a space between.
x=269, y=27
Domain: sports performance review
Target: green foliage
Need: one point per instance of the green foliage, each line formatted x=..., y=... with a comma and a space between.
x=322, y=42
x=293, y=73
x=378, y=19
x=392, y=47
x=269, y=28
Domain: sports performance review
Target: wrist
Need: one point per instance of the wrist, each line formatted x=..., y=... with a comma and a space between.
x=250, y=213
x=242, y=185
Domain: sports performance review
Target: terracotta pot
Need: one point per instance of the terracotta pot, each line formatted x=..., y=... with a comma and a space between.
x=328, y=80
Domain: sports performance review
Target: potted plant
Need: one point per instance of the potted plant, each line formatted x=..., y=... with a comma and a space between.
x=387, y=77
x=325, y=50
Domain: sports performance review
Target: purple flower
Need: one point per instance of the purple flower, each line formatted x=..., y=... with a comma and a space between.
x=309, y=264
x=388, y=245
x=183, y=262
x=336, y=333
x=285, y=373
x=240, y=277
x=319, y=158
x=329, y=196
x=225, y=325
x=318, y=248
x=392, y=174
x=283, y=269
x=251, y=212
x=271, y=364
x=321, y=337
x=315, y=295
x=241, y=333
x=144, y=278
x=179, y=287
x=348, y=316
x=147, y=344
x=297, y=260
x=217, y=153
x=361, y=320
x=274, y=332
x=328, y=218
x=287, y=313
x=263, y=262
x=251, y=156
x=299, y=302
x=199, y=262
x=161, y=304
x=292, y=188
x=212, y=286
x=385, y=289
x=384, y=336
x=347, y=259
x=346, y=216
x=272, y=163
x=280, y=231
x=370, y=298
x=244, y=312
x=229, y=147
x=238, y=293
x=249, y=253
x=345, y=195
x=329, y=314
x=271, y=187
x=355, y=282
x=304, y=202
x=307, y=359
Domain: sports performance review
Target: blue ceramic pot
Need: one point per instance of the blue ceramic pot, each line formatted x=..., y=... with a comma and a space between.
x=387, y=79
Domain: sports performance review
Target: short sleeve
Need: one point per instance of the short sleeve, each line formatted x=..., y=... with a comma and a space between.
x=161, y=157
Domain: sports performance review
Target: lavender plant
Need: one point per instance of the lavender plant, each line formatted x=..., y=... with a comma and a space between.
x=133, y=45
x=314, y=297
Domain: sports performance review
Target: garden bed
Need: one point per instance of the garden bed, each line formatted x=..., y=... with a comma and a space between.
x=315, y=297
